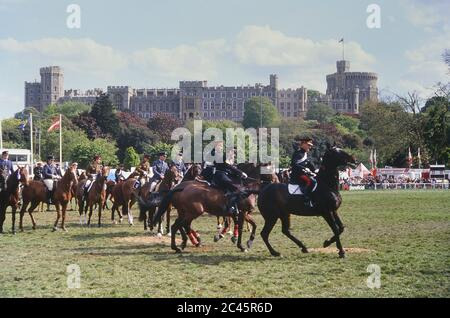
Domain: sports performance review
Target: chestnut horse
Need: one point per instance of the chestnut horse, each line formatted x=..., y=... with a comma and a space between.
x=63, y=195
x=193, y=198
x=10, y=196
x=123, y=195
x=96, y=196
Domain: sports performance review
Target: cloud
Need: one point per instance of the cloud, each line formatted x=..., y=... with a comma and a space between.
x=260, y=45
x=9, y=104
x=431, y=15
x=79, y=55
x=198, y=61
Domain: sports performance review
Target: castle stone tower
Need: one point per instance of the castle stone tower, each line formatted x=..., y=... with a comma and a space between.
x=52, y=85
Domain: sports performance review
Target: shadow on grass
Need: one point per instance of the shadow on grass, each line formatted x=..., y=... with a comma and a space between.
x=93, y=236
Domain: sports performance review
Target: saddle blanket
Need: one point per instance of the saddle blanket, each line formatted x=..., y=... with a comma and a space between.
x=294, y=189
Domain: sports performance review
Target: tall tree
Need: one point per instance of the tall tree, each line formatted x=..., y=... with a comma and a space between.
x=131, y=158
x=163, y=125
x=104, y=115
x=252, y=114
x=320, y=112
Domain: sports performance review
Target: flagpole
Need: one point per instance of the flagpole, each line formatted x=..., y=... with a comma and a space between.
x=60, y=141
x=1, y=135
x=31, y=141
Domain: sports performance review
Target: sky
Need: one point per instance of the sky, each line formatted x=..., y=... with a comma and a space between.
x=155, y=44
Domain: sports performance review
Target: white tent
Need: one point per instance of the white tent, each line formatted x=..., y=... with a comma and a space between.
x=360, y=171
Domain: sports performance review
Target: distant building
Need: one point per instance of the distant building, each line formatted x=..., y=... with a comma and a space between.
x=347, y=91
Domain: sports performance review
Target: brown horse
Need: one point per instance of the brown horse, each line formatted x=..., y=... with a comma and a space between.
x=63, y=195
x=11, y=197
x=193, y=198
x=123, y=195
x=96, y=196
x=110, y=184
x=171, y=179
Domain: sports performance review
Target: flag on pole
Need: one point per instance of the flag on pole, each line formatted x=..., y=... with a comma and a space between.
x=375, y=158
x=341, y=40
x=409, y=157
x=23, y=125
x=418, y=156
x=55, y=125
x=371, y=158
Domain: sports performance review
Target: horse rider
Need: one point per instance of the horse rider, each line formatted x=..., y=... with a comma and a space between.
x=222, y=171
x=159, y=168
x=303, y=171
x=119, y=173
x=144, y=170
x=50, y=178
x=38, y=172
x=92, y=171
x=180, y=165
x=6, y=169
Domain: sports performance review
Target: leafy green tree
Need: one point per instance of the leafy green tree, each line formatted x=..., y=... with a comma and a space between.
x=320, y=112
x=252, y=113
x=154, y=149
x=85, y=151
x=131, y=158
x=437, y=129
x=163, y=125
x=69, y=109
x=104, y=115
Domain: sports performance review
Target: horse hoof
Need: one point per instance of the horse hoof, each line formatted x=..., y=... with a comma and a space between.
x=326, y=243
x=64, y=229
x=233, y=239
x=305, y=250
x=120, y=221
x=177, y=251
x=341, y=255
x=169, y=234
x=54, y=229
x=249, y=244
x=276, y=254
x=34, y=228
x=159, y=235
x=219, y=227
x=14, y=232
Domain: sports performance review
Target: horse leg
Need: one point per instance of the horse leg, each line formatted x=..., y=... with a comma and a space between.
x=338, y=222
x=91, y=208
x=240, y=224
x=100, y=207
x=335, y=228
x=251, y=221
x=14, y=208
x=285, y=224
x=58, y=216
x=175, y=227
x=64, y=208
x=130, y=216
x=168, y=222
x=33, y=206
x=268, y=226
x=183, y=231
x=219, y=224
x=2, y=218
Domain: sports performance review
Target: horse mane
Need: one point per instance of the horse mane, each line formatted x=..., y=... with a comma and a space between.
x=328, y=172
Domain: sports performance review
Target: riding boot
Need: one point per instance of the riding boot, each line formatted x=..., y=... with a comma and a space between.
x=49, y=197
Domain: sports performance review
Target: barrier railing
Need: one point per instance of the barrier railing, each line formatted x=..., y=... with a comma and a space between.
x=396, y=186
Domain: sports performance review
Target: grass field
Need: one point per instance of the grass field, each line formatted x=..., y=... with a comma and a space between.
x=406, y=233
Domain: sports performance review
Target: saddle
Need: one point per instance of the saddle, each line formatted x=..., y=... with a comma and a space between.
x=296, y=189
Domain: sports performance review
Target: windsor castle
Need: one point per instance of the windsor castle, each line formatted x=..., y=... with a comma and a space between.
x=346, y=91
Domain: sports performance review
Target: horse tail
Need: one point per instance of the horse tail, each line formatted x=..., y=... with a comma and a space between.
x=164, y=206
x=143, y=208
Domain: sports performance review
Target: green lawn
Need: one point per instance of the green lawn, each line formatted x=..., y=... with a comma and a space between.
x=406, y=233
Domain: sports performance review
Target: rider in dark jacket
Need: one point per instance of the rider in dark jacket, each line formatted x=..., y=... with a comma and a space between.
x=303, y=171
x=6, y=169
x=38, y=172
x=223, y=171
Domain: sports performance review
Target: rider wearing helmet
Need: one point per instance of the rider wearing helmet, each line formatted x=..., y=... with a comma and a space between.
x=50, y=176
x=6, y=169
x=303, y=171
x=92, y=171
x=144, y=169
x=222, y=172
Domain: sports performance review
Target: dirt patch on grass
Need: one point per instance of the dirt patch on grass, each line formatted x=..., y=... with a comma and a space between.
x=146, y=240
x=333, y=250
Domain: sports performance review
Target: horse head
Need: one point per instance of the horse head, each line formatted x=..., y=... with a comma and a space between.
x=24, y=177
x=172, y=175
x=105, y=172
x=336, y=158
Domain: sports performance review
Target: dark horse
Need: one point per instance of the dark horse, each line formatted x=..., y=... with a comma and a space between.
x=275, y=202
x=10, y=196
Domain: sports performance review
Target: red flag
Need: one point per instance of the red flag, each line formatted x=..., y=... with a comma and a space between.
x=409, y=157
x=56, y=125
